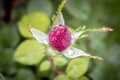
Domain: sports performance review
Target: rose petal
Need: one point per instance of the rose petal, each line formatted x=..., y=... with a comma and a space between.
x=39, y=36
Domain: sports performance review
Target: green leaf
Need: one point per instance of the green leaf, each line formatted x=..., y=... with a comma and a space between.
x=29, y=52
x=36, y=20
x=77, y=67
x=9, y=35
x=61, y=77
x=60, y=61
x=1, y=77
x=80, y=9
x=83, y=78
x=5, y=56
x=45, y=65
x=44, y=6
x=25, y=74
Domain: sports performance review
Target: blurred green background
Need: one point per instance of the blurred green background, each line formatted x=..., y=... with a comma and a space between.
x=16, y=42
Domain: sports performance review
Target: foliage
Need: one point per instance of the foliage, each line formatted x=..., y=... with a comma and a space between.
x=33, y=20
x=32, y=54
x=1, y=77
x=77, y=67
x=21, y=57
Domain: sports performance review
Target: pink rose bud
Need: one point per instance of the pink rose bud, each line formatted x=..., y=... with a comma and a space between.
x=59, y=38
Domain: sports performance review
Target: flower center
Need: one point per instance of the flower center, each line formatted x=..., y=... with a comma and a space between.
x=59, y=38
